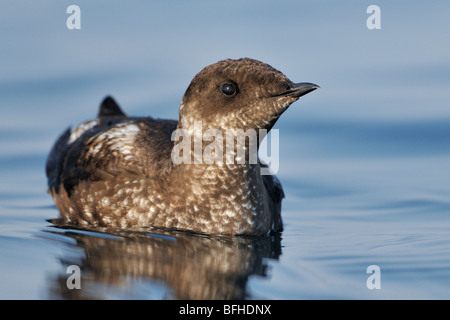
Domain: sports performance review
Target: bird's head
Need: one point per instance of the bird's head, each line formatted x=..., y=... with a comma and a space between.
x=239, y=94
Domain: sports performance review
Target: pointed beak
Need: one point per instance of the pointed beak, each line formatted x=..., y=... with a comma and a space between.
x=299, y=89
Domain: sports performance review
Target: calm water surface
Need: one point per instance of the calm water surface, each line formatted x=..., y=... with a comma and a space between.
x=364, y=161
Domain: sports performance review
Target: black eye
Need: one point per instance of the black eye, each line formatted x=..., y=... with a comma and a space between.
x=228, y=88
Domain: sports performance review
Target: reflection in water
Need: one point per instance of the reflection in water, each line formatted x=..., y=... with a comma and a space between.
x=193, y=266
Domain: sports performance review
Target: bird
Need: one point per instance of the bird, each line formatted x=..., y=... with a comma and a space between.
x=124, y=172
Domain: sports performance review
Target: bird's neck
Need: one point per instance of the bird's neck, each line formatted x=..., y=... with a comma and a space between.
x=217, y=177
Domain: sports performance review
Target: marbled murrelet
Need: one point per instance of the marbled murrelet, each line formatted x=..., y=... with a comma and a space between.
x=117, y=171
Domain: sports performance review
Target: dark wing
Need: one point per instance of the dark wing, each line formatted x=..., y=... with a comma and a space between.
x=55, y=160
x=95, y=148
x=110, y=146
x=102, y=153
x=275, y=191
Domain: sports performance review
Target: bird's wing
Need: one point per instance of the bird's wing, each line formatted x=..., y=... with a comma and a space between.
x=55, y=159
x=100, y=154
x=276, y=193
x=96, y=149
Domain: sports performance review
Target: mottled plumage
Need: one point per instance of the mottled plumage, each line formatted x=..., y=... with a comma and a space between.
x=117, y=171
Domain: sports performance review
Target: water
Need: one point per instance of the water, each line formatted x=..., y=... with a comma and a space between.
x=364, y=161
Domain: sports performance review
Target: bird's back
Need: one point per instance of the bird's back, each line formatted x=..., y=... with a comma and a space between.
x=111, y=145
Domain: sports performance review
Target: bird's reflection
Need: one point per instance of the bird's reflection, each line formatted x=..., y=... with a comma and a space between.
x=192, y=266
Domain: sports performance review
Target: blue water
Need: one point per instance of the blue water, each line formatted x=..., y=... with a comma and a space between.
x=364, y=161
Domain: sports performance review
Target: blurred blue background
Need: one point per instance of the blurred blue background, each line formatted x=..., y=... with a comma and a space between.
x=364, y=161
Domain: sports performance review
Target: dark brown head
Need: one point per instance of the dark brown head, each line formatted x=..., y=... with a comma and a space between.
x=239, y=94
